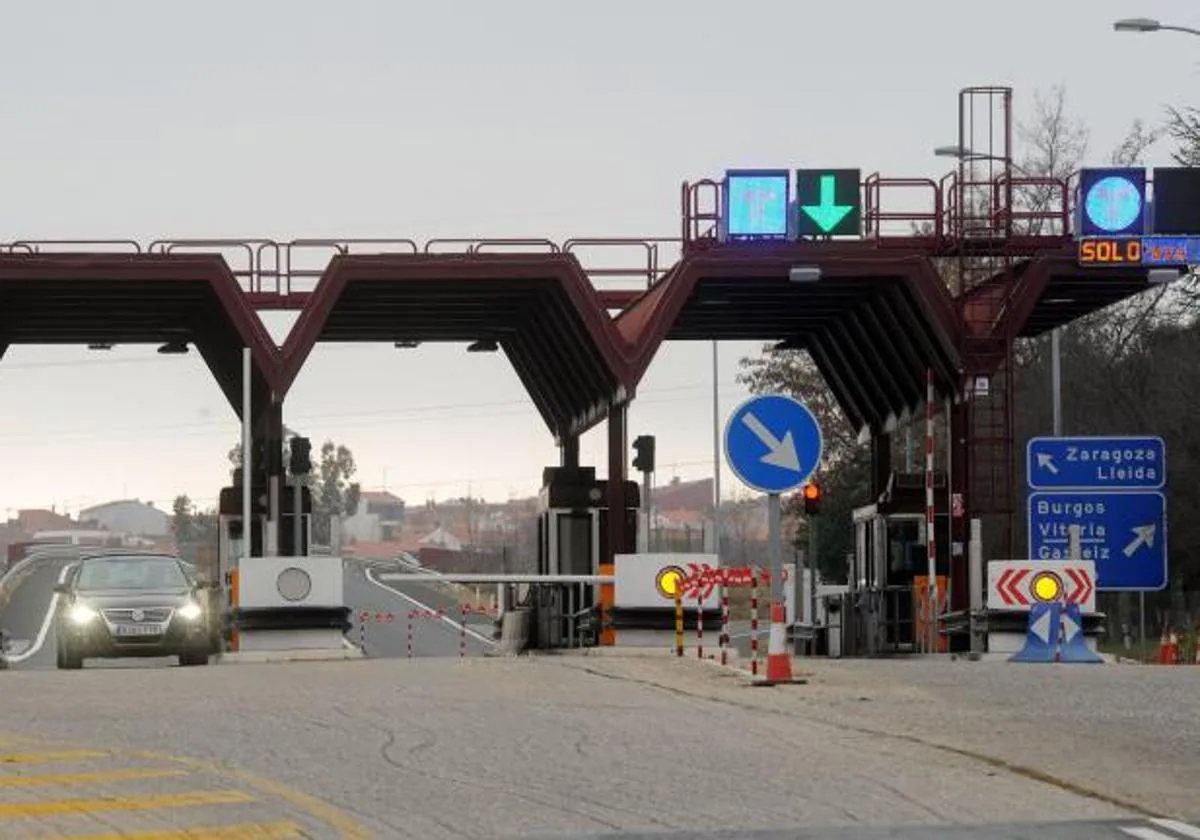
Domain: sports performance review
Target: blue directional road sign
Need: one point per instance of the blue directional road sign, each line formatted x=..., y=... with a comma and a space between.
x=773, y=443
x=1124, y=534
x=1096, y=463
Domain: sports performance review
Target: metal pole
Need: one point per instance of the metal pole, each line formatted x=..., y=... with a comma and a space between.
x=813, y=575
x=775, y=545
x=247, y=453
x=298, y=548
x=930, y=538
x=272, y=542
x=716, y=408
x=1056, y=378
x=950, y=541
x=1142, y=624
x=647, y=511
x=975, y=582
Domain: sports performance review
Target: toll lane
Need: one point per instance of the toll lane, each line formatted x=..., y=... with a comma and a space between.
x=437, y=619
x=27, y=601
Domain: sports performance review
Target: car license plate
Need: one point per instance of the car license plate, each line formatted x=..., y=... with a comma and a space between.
x=138, y=630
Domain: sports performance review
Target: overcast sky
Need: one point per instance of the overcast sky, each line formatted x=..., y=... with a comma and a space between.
x=455, y=119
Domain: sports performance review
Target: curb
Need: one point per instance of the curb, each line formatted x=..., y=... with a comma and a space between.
x=247, y=657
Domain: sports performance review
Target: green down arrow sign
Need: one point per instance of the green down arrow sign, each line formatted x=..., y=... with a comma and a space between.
x=829, y=202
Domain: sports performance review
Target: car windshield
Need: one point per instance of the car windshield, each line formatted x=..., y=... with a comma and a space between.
x=131, y=573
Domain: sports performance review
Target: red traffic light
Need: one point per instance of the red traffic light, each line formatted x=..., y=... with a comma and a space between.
x=811, y=493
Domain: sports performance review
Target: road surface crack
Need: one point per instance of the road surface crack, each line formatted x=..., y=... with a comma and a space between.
x=993, y=761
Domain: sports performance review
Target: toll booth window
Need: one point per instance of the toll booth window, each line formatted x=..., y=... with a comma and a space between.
x=575, y=544
x=905, y=547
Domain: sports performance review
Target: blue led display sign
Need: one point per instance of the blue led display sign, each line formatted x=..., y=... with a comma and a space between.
x=1112, y=202
x=1153, y=251
x=1177, y=200
x=756, y=204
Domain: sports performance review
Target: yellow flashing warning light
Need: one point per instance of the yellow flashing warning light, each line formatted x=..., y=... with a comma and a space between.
x=1046, y=587
x=668, y=581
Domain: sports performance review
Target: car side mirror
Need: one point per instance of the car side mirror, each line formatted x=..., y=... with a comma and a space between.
x=62, y=588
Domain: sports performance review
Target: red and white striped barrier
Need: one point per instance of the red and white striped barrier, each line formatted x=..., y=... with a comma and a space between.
x=366, y=617
x=466, y=610
x=724, y=625
x=434, y=614
x=754, y=623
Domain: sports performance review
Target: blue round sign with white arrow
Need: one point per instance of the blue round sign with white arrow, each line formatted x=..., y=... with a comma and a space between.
x=773, y=443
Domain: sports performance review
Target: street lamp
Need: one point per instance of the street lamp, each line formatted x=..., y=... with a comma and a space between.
x=965, y=154
x=1148, y=25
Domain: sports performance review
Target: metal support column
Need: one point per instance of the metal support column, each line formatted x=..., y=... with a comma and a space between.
x=618, y=537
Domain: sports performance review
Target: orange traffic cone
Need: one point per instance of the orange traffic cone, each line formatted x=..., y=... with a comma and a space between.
x=779, y=658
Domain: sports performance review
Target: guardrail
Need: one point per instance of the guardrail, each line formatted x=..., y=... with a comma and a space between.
x=556, y=605
x=270, y=268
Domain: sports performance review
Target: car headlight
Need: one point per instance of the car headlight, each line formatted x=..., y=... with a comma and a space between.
x=190, y=611
x=82, y=614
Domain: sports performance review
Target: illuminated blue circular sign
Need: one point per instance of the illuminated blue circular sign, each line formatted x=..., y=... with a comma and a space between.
x=1113, y=204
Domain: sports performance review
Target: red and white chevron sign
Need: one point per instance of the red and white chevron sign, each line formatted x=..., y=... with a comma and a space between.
x=1015, y=585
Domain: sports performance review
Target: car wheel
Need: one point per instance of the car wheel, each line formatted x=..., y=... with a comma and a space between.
x=67, y=658
x=188, y=660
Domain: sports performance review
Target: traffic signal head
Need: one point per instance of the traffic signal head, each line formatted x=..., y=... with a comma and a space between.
x=644, y=447
x=301, y=456
x=811, y=493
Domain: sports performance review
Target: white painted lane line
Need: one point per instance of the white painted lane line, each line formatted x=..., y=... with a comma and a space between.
x=1146, y=833
x=1180, y=828
x=456, y=625
x=46, y=622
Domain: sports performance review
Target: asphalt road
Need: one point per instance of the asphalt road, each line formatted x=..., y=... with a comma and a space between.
x=26, y=599
x=1116, y=830
x=393, y=609
x=623, y=742
x=556, y=746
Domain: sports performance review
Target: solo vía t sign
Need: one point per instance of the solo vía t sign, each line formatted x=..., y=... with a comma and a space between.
x=1111, y=251
x=827, y=214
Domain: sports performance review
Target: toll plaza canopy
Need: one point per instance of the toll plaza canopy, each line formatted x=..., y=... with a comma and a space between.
x=873, y=322
x=540, y=309
x=876, y=310
x=100, y=298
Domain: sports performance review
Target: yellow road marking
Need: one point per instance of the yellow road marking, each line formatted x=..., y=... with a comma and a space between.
x=43, y=779
x=240, y=831
x=57, y=755
x=343, y=823
x=346, y=826
x=124, y=803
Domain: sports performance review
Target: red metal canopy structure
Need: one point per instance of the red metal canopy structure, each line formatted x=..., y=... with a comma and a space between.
x=101, y=298
x=945, y=289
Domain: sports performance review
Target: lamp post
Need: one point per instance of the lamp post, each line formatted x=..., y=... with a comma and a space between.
x=716, y=419
x=1149, y=25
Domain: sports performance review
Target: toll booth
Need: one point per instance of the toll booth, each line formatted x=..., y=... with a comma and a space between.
x=572, y=539
x=888, y=572
x=231, y=535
